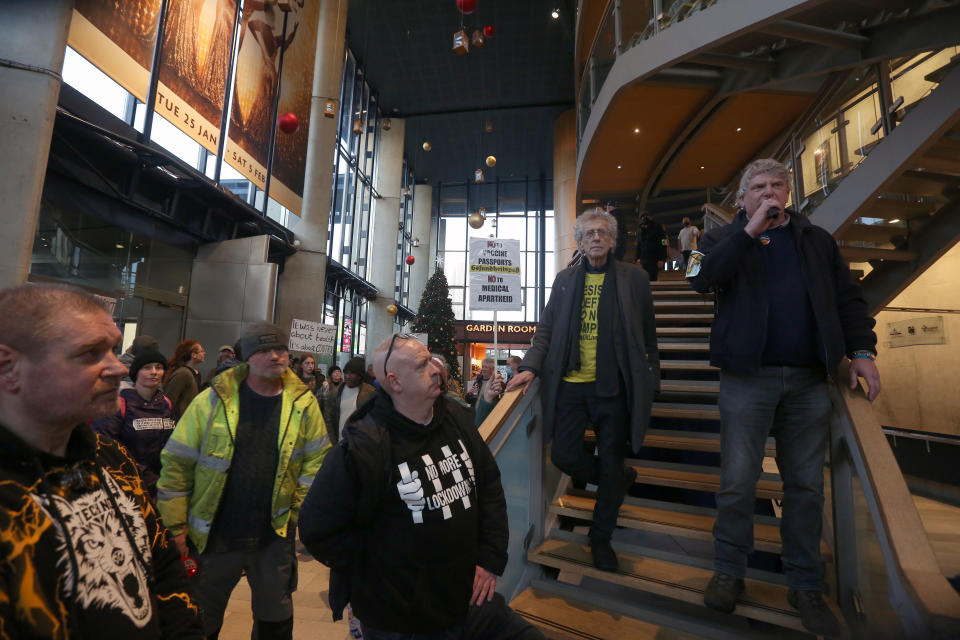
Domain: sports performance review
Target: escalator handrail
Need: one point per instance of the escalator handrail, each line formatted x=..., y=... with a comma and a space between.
x=896, y=518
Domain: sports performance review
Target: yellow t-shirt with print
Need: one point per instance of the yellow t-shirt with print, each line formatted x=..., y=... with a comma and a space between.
x=589, y=323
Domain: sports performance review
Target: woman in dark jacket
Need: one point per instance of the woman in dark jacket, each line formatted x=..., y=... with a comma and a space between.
x=182, y=380
x=145, y=420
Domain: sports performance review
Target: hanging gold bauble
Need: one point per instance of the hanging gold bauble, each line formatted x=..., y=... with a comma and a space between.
x=476, y=220
x=491, y=161
x=392, y=309
x=427, y=146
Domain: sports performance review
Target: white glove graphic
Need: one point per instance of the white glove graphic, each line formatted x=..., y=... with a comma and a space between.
x=411, y=492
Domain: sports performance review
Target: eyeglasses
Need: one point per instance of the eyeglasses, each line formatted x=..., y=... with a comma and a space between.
x=600, y=233
x=393, y=340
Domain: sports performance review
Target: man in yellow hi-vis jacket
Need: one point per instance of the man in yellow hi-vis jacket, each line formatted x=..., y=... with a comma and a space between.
x=235, y=472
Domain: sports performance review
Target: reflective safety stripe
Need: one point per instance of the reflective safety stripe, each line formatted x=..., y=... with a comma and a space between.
x=280, y=512
x=165, y=494
x=179, y=449
x=305, y=481
x=217, y=464
x=316, y=445
x=199, y=524
x=310, y=447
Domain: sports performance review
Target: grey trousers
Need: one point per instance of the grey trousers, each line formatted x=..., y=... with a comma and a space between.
x=271, y=572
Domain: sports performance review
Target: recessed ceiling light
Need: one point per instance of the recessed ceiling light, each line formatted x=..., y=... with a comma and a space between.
x=555, y=14
x=738, y=129
x=119, y=246
x=895, y=221
x=702, y=167
x=636, y=129
x=619, y=166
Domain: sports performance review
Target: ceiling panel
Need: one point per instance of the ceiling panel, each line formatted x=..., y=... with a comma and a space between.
x=521, y=78
x=721, y=150
x=660, y=113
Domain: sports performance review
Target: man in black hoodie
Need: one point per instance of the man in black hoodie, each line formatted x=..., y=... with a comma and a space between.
x=82, y=551
x=408, y=511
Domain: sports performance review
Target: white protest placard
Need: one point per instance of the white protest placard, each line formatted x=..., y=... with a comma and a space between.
x=312, y=337
x=495, y=283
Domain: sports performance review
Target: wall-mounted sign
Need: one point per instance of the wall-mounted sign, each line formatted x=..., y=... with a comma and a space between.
x=907, y=333
x=482, y=331
x=495, y=283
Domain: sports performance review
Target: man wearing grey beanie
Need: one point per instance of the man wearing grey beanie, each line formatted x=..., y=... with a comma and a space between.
x=231, y=494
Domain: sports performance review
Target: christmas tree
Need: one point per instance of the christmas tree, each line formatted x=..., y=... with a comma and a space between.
x=435, y=318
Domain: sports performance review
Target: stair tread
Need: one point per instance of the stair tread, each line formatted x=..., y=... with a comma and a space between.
x=696, y=365
x=695, y=526
x=684, y=346
x=692, y=440
x=560, y=617
x=664, y=304
x=690, y=386
x=686, y=292
x=691, y=317
x=761, y=601
x=699, y=331
x=697, y=477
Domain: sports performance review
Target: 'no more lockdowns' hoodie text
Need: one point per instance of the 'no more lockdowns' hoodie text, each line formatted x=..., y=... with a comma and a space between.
x=82, y=551
x=403, y=513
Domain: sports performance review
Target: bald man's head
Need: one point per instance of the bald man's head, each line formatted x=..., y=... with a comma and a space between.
x=407, y=368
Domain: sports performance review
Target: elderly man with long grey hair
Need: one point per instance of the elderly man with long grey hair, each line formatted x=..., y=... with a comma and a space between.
x=595, y=351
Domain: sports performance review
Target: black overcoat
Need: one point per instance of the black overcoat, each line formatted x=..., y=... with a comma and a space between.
x=635, y=343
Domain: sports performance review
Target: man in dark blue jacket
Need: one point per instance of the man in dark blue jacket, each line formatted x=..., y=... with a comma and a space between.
x=786, y=315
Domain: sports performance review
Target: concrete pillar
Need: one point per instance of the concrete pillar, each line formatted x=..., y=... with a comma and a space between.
x=301, y=286
x=384, y=221
x=231, y=285
x=420, y=271
x=33, y=39
x=564, y=185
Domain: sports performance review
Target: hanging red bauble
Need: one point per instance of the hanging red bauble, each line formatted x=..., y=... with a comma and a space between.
x=466, y=6
x=288, y=122
x=489, y=31
x=411, y=259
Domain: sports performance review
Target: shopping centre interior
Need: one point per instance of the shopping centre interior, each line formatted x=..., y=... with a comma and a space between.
x=161, y=157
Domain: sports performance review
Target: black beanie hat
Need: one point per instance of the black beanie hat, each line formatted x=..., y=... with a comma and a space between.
x=261, y=336
x=355, y=365
x=145, y=358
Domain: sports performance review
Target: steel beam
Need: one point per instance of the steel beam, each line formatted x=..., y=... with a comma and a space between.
x=816, y=35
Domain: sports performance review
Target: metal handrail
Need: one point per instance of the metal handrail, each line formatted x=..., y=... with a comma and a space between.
x=925, y=602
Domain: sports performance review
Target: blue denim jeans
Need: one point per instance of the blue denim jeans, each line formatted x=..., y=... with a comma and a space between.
x=792, y=404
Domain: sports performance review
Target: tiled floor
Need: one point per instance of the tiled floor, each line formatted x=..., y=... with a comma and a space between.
x=311, y=614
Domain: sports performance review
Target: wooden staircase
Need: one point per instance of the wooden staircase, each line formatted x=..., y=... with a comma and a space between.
x=665, y=535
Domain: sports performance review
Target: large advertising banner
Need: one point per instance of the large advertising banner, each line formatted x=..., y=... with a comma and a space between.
x=118, y=38
x=251, y=115
x=193, y=69
x=296, y=90
x=495, y=283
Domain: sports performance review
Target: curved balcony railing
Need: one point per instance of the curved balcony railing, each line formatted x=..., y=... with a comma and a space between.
x=625, y=24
